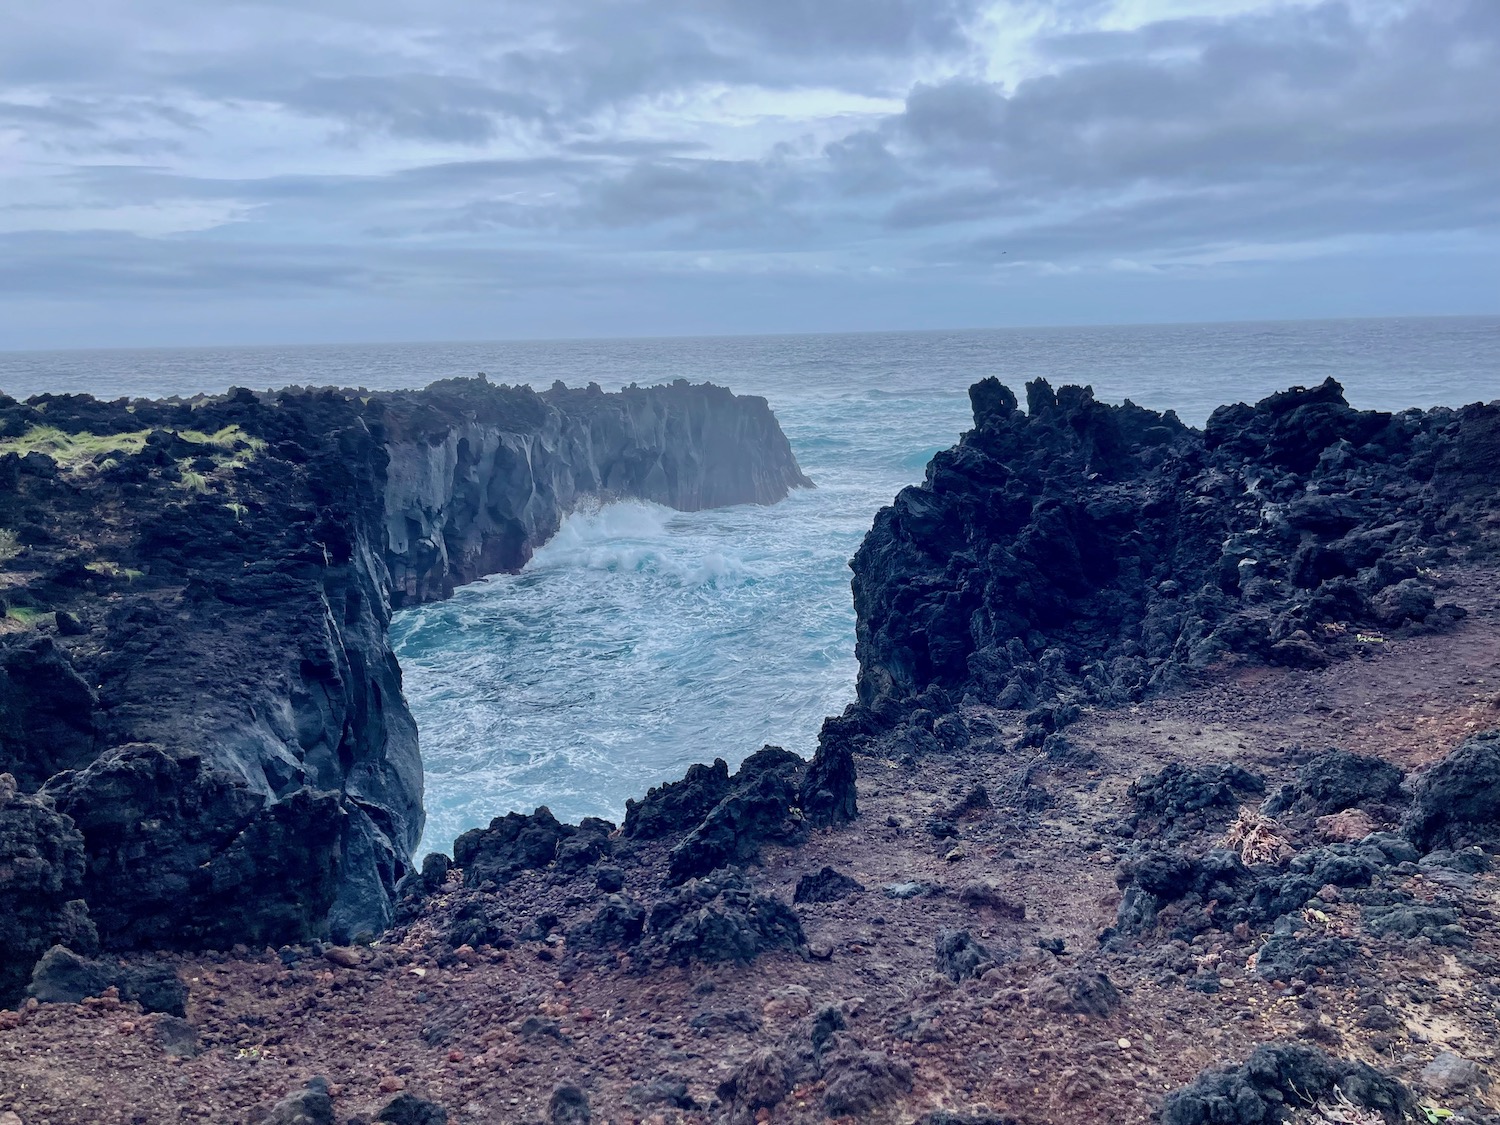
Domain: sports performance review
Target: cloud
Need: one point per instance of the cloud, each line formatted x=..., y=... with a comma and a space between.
x=349, y=148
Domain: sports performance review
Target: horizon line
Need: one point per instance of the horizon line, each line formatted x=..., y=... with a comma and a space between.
x=646, y=338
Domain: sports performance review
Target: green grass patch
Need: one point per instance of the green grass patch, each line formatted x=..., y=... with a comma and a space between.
x=230, y=437
x=107, y=569
x=75, y=452
x=72, y=449
x=23, y=614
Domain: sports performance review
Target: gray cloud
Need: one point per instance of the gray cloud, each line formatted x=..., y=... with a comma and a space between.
x=355, y=148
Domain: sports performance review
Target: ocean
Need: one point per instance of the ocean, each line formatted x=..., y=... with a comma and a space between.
x=641, y=640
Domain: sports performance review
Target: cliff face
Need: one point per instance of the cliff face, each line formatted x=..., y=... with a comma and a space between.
x=1084, y=552
x=195, y=676
x=476, y=485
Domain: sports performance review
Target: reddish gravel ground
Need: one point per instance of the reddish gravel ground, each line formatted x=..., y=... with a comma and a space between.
x=489, y=1034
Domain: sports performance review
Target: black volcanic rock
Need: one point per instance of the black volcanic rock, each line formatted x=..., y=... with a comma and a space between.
x=204, y=589
x=678, y=806
x=828, y=792
x=720, y=918
x=514, y=843
x=1278, y=1078
x=826, y=885
x=761, y=806
x=63, y=977
x=1101, y=552
x=47, y=721
x=1337, y=780
x=182, y=856
x=959, y=957
x=618, y=923
x=41, y=883
x=1457, y=802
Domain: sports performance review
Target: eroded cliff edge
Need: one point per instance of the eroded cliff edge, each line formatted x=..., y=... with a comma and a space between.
x=197, y=698
x=479, y=476
x=1078, y=552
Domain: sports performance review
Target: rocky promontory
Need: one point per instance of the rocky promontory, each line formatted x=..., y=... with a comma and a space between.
x=1079, y=552
x=198, y=704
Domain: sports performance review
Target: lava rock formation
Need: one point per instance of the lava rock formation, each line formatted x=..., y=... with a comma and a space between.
x=199, y=705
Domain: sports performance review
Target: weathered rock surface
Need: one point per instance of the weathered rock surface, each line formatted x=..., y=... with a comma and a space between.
x=514, y=843
x=308, y=1106
x=1337, y=780
x=63, y=977
x=1280, y=1077
x=41, y=884
x=179, y=855
x=761, y=805
x=203, y=683
x=1081, y=550
x=826, y=885
x=1079, y=991
x=408, y=1109
x=1457, y=802
x=720, y=917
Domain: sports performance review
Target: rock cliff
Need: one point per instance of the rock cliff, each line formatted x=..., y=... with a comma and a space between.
x=198, y=703
x=480, y=476
x=1084, y=552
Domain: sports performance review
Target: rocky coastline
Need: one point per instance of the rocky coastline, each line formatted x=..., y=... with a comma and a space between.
x=199, y=706
x=1170, y=794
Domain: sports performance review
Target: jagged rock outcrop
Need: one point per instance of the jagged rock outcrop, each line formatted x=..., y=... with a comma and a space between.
x=1080, y=550
x=41, y=884
x=1457, y=802
x=1279, y=1079
x=514, y=843
x=194, y=663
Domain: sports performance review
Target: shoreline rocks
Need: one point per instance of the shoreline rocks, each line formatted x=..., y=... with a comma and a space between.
x=1093, y=553
x=202, y=682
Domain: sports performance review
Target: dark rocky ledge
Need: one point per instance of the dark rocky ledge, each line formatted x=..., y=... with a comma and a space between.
x=198, y=702
x=1081, y=553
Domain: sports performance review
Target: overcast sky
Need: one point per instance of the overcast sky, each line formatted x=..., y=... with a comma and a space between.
x=177, y=171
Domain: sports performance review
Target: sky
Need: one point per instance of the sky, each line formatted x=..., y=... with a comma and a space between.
x=175, y=172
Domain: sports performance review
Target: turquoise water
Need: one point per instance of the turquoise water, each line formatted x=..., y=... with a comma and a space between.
x=641, y=640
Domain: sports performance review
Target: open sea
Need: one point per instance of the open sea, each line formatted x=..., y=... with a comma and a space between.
x=641, y=640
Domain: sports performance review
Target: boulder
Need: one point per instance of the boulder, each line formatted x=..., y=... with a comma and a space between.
x=721, y=918
x=1075, y=991
x=568, y=1106
x=1337, y=780
x=959, y=957
x=1278, y=1077
x=826, y=885
x=617, y=924
x=1457, y=802
x=63, y=977
x=408, y=1109
x=308, y=1106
